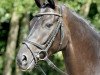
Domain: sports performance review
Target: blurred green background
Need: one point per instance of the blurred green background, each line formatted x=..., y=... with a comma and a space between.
x=15, y=16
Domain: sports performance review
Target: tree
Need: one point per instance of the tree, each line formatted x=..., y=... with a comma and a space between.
x=11, y=44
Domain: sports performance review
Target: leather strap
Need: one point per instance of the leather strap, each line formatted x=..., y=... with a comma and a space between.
x=48, y=13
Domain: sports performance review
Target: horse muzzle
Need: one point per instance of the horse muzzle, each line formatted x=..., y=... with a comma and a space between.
x=25, y=59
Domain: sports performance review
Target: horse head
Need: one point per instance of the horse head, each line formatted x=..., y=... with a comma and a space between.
x=46, y=35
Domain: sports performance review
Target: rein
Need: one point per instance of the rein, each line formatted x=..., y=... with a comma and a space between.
x=44, y=48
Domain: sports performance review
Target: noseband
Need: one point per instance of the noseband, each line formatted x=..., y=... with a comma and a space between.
x=42, y=54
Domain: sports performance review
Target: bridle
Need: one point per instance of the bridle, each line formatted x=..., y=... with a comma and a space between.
x=42, y=54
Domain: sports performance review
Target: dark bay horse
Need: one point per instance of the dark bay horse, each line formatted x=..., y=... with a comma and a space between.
x=57, y=28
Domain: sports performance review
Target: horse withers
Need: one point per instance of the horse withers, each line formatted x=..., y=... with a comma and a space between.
x=57, y=28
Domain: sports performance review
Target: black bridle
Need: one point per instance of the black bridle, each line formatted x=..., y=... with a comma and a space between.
x=42, y=54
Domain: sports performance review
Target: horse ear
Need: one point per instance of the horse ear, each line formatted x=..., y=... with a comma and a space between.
x=52, y=3
x=38, y=3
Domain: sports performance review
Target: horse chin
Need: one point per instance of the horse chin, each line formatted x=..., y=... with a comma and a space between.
x=28, y=67
x=31, y=65
x=25, y=59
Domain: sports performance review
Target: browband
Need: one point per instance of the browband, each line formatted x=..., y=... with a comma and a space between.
x=48, y=13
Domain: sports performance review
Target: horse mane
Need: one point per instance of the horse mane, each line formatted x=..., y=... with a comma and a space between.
x=88, y=22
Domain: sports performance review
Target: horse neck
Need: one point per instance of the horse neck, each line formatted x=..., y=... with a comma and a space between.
x=83, y=51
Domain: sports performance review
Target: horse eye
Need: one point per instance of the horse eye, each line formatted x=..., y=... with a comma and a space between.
x=48, y=25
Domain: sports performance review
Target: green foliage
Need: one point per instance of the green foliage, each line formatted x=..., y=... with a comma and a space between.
x=20, y=6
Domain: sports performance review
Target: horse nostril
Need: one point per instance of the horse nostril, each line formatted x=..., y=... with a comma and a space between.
x=24, y=58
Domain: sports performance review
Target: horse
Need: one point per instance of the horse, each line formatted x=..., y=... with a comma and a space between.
x=58, y=28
